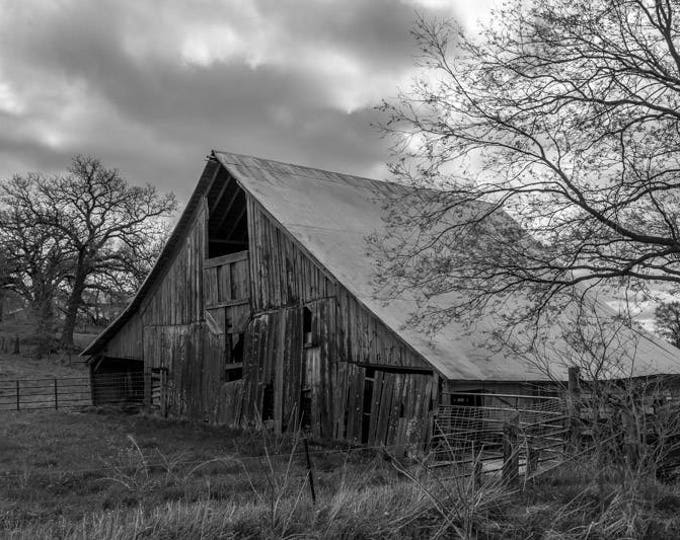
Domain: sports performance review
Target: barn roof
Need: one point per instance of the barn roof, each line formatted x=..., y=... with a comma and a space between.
x=330, y=215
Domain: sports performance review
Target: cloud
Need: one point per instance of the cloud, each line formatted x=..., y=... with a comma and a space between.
x=151, y=87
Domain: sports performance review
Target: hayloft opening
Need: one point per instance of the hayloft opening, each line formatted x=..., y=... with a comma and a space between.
x=227, y=216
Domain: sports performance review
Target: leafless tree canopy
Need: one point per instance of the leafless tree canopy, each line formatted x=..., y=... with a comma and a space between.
x=667, y=315
x=74, y=234
x=564, y=115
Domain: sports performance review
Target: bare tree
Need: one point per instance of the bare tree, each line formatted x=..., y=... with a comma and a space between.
x=667, y=315
x=36, y=261
x=4, y=280
x=108, y=291
x=95, y=217
x=563, y=115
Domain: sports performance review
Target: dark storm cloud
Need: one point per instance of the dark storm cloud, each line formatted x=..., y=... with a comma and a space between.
x=152, y=87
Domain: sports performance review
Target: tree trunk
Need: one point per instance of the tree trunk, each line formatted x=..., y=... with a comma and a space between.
x=43, y=315
x=75, y=300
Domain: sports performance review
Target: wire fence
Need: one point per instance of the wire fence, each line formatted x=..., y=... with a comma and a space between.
x=500, y=431
x=71, y=392
x=53, y=393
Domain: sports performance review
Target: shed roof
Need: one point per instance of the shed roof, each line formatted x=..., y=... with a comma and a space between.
x=330, y=214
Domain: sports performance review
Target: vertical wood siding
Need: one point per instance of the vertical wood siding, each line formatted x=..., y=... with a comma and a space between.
x=281, y=273
x=393, y=406
x=362, y=382
x=127, y=343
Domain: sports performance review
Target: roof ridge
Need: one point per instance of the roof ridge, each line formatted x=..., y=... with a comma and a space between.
x=305, y=167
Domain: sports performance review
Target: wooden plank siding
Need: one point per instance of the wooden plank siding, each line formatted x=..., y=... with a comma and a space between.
x=347, y=340
x=127, y=343
x=353, y=375
x=282, y=274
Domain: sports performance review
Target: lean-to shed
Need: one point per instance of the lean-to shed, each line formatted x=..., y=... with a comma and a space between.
x=261, y=309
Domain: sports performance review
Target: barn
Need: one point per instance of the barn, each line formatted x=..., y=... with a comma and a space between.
x=260, y=311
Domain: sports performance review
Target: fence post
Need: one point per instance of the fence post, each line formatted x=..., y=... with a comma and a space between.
x=310, y=472
x=630, y=439
x=476, y=466
x=510, y=455
x=18, y=398
x=56, y=396
x=164, y=393
x=573, y=406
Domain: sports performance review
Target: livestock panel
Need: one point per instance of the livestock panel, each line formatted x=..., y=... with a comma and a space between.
x=116, y=381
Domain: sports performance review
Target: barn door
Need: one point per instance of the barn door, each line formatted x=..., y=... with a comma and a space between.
x=310, y=390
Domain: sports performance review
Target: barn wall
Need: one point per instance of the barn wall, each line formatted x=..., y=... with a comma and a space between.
x=127, y=343
x=177, y=297
x=354, y=379
x=281, y=273
x=186, y=323
x=350, y=377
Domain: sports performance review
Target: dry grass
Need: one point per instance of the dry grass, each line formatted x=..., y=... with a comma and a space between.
x=102, y=474
x=19, y=366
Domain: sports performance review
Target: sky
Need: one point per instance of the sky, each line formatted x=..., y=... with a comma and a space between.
x=151, y=87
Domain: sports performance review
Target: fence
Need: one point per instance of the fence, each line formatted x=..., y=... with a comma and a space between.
x=70, y=392
x=55, y=393
x=500, y=431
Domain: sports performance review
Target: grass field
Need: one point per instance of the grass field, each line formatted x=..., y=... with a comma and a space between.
x=19, y=366
x=103, y=474
x=99, y=473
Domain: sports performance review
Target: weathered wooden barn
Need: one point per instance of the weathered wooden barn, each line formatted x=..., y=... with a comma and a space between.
x=260, y=310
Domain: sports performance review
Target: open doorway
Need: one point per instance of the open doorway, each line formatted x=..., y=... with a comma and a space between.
x=227, y=217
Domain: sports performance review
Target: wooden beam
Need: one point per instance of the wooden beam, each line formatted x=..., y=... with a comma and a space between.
x=228, y=242
x=220, y=194
x=396, y=369
x=224, y=259
x=218, y=168
x=225, y=215
x=237, y=222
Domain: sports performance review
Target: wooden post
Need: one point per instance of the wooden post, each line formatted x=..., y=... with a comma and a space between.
x=476, y=466
x=510, y=454
x=630, y=439
x=574, y=408
x=148, y=399
x=56, y=396
x=17, y=345
x=18, y=399
x=310, y=472
x=164, y=393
